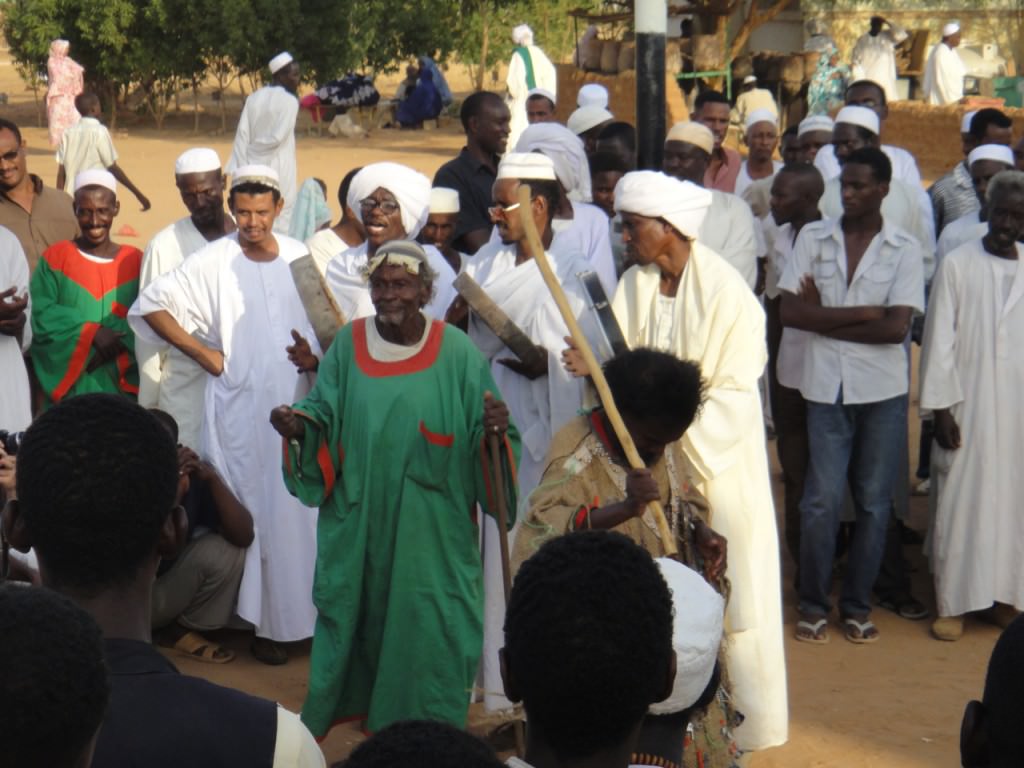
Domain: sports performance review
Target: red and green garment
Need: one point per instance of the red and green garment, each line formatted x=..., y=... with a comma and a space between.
x=72, y=298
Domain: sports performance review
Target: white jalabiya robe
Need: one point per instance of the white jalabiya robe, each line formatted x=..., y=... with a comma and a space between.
x=15, y=396
x=729, y=231
x=971, y=363
x=874, y=58
x=539, y=408
x=544, y=76
x=944, y=76
x=345, y=278
x=248, y=309
x=266, y=136
x=587, y=233
x=324, y=246
x=968, y=227
x=168, y=379
x=720, y=325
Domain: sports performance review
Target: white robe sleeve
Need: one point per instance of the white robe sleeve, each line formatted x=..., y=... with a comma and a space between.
x=741, y=246
x=516, y=79
x=186, y=294
x=940, y=381
x=238, y=149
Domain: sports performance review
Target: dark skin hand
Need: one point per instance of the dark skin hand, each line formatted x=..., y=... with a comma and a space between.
x=107, y=345
x=12, y=312
x=458, y=313
x=300, y=354
x=535, y=371
x=947, y=431
x=236, y=524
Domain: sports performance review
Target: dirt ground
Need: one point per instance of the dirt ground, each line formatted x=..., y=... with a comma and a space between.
x=897, y=703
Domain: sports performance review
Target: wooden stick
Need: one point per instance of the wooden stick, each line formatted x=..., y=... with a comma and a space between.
x=596, y=374
x=499, y=491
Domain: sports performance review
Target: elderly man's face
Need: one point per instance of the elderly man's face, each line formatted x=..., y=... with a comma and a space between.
x=982, y=172
x=715, y=116
x=382, y=218
x=1005, y=220
x=645, y=238
x=762, y=138
x=202, y=194
x=13, y=165
x=685, y=161
x=397, y=294
x=539, y=109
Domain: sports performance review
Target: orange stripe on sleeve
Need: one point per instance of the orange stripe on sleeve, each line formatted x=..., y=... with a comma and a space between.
x=79, y=357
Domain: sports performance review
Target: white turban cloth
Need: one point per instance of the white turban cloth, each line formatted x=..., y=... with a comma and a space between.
x=997, y=153
x=410, y=188
x=651, y=193
x=566, y=152
x=522, y=35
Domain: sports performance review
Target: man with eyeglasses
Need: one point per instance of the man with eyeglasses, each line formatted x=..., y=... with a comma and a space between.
x=37, y=215
x=393, y=202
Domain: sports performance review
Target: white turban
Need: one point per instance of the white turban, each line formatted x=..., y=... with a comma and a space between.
x=410, y=188
x=522, y=35
x=444, y=200
x=690, y=132
x=280, y=61
x=951, y=29
x=760, y=116
x=96, y=177
x=999, y=153
x=965, y=122
x=815, y=123
x=526, y=166
x=696, y=635
x=585, y=118
x=256, y=174
x=196, y=160
x=592, y=95
x=542, y=92
x=861, y=116
x=651, y=193
x=566, y=152
x=749, y=79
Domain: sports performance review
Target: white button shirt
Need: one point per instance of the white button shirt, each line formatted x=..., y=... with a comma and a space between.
x=890, y=274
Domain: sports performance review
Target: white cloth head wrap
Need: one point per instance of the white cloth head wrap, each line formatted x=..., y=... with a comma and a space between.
x=410, y=188
x=280, y=61
x=815, y=123
x=651, y=193
x=526, y=166
x=542, y=92
x=861, y=116
x=951, y=29
x=1000, y=153
x=696, y=635
x=96, y=177
x=444, y=200
x=749, y=79
x=690, y=132
x=522, y=35
x=196, y=160
x=965, y=121
x=761, y=116
x=256, y=174
x=585, y=118
x=566, y=152
x=592, y=95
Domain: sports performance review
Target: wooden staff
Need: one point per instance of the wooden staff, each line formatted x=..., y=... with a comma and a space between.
x=596, y=374
x=499, y=491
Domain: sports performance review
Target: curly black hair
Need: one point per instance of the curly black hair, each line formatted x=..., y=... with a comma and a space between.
x=656, y=387
x=422, y=744
x=588, y=639
x=97, y=477
x=54, y=682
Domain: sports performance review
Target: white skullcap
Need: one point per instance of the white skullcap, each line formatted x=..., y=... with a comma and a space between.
x=592, y=95
x=761, y=116
x=951, y=29
x=256, y=174
x=1000, y=153
x=542, y=92
x=694, y=133
x=651, y=193
x=526, y=166
x=585, y=118
x=522, y=35
x=96, y=177
x=280, y=61
x=196, y=160
x=965, y=121
x=410, y=188
x=566, y=152
x=749, y=79
x=698, y=613
x=815, y=123
x=444, y=200
x=861, y=116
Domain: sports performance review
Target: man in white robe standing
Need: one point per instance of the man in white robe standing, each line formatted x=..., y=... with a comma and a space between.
x=944, y=72
x=540, y=399
x=972, y=379
x=169, y=380
x=392, y=201
x=874, y=55
x=528, y=69
x=984, y=162
x=234, y=309
x=681, y=297
x=15, y=334
x=266, y=131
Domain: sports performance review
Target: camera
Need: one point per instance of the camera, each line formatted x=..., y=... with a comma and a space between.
x=11, y=441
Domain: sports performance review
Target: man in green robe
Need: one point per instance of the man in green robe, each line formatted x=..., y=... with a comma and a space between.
x=81, y=291
x=392, y=445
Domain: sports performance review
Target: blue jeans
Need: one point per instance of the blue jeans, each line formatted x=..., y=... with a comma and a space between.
x=860, y=445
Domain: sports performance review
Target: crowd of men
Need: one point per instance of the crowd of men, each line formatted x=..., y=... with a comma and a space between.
x=365, y=486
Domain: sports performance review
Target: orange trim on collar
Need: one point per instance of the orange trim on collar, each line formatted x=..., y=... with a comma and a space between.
x=418, y=362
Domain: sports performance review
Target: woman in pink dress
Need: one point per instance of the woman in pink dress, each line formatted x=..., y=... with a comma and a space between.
x=65, y=77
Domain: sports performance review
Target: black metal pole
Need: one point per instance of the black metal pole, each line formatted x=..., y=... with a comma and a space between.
x=651, y=21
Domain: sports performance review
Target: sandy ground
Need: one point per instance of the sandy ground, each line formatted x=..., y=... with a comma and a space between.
x=897, y=703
